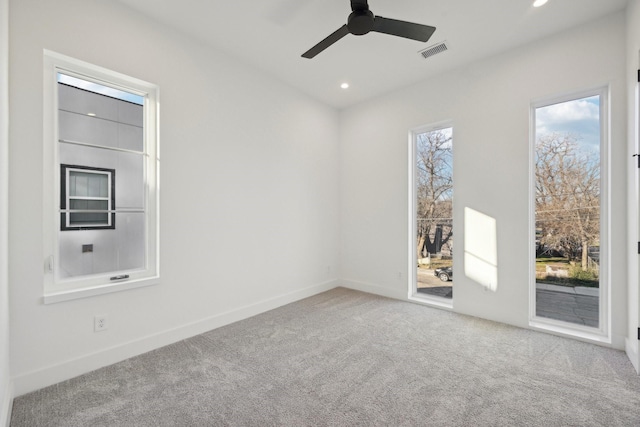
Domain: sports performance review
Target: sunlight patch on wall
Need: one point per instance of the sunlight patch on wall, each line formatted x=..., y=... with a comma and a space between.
x=480, y=249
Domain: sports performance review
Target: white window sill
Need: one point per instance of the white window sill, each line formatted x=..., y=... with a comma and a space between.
x=433, y=301
x=72, y=294
x=568, y=330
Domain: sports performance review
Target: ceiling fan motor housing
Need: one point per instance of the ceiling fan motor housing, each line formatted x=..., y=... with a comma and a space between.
x=360, y=22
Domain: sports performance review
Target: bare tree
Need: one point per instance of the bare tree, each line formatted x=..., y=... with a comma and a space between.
x=434, y=186
x=567, y=196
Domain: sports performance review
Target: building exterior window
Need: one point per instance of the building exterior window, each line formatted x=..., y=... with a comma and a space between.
x=101, y=222
x=87, y=200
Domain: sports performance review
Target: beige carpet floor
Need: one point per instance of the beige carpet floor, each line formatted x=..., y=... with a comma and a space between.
x=345, y=358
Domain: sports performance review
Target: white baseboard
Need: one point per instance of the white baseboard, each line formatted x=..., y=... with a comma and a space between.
x=375, y=289
x=54, y=374
x=5, y=405
x=632, y=354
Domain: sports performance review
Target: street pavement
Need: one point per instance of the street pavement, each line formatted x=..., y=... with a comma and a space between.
x=577, y=305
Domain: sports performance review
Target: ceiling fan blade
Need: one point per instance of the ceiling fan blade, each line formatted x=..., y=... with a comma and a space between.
x=408, y=30
x=334, y=37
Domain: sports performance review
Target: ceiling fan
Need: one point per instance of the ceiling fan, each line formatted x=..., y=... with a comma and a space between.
x=361, y=21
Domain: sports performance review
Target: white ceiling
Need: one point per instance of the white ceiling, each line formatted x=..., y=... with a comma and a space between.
x=272, y=34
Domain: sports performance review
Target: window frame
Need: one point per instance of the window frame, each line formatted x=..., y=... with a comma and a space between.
x=55, y=288
x=602, y=333
x=413, y=295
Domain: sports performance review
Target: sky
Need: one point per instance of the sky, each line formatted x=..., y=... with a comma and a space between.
x=580, y=117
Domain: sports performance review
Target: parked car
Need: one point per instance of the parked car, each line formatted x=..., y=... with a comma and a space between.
x=445, y=274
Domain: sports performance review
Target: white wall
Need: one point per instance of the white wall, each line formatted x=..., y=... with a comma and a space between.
x=633, y=65
x=249, y=191
x=5, y=376
x=489, y=104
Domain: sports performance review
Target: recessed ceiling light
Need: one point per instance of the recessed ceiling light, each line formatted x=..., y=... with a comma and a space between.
x=91, y=114
x=344, y=85
x=538, y=3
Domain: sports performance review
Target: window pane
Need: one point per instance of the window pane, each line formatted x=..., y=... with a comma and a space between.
x=130, y=233
x=75, y=204
x=434, y=212
x=80, y=219
x=567, y=211
x=97, y=205
x=112, y=250
x=130, y=181
x=94, y=114
x=105, y=123
x=95, y=88
x=86, y=184
x=77, y=185
x=94, y=205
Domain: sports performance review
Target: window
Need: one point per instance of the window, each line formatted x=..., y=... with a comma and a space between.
x=569, y=286
x=87, y=198
x=431, y=230
x=101, y=219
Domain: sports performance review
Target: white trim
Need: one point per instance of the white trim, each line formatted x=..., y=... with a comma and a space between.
x=633, y=349
x=632, y=354
x=603, y=333
x=6, y=405
x=412, y=273
x=98, y=74
x=6, y=386
x=34, y=380
x=61, y=289
x=432, y=301
x=562, y=330
x=371, y=288
x=72, y=294
x=399, y=294
x=532, y=213
x=633, y=225
x=569, y=330
x=102, y=147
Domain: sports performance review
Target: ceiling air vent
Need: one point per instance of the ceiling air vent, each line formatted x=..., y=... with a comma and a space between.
x=434, y=50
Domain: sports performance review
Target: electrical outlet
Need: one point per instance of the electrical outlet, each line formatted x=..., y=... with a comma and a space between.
x=100, y=323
